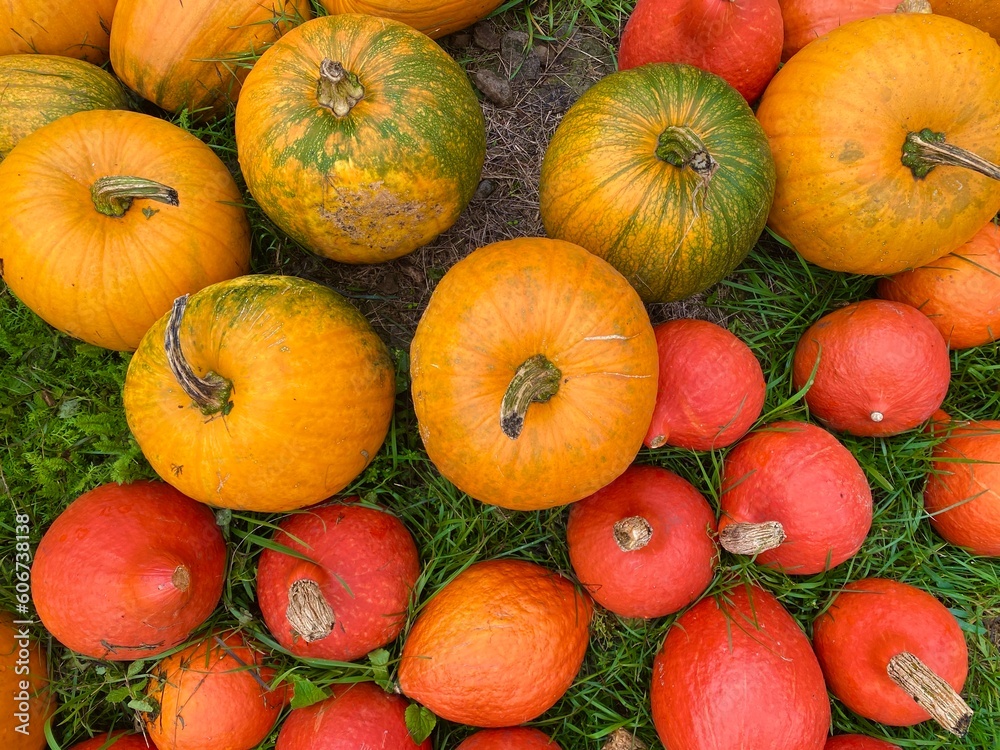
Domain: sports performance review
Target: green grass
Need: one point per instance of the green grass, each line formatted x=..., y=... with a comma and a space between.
x=62, y=431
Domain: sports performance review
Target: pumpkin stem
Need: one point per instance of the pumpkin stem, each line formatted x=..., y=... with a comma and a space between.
x=338, y=89
x=923, y=150
x=622, y=739
x=933, y=693
x=751, y=538
x=681, y=147
x=210, y=393
x=181, y=579
x=308, y=612
x=914, y=6
x=537, y=380
x=113, y=195
x=632, y=533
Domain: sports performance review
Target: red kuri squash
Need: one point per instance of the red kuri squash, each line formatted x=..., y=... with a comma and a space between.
x=516, y=738
x=858, y=742
x=115, y=741
x=24, y=676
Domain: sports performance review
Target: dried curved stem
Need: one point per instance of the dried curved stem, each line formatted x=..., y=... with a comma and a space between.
x=210, y=393
x=751, y=538
x=933, y=693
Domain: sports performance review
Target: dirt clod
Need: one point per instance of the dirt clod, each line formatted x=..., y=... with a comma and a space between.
x=485, y=36
x=496, y=88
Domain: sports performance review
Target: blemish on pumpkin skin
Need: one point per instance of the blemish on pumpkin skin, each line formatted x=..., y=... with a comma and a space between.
x=852, y=152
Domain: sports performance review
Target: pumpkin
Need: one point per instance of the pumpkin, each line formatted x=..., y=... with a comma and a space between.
x=643, y=546
x=213, y=694
x=115, y=741
x=261, y=393
x=805, y=20
x=894, y=654
x=38, y=89
x=70, y=28
x=145, y=593
x=878, y=368
x=496, y=646
x=983, y=14
x=663, y=172
x=194, y=55
x=514, y=738
x=710, y=390
x=959, y=292
x=360, y=137
x=359, y=715
x=24, y=676
x=350, y=597
x=795, y=497
x=533, y=373
x=735, y=671
x=857, y=742
x=433, y=17
x=884, y=140
x=962, y=494
x=108, y=216
x=740, y=42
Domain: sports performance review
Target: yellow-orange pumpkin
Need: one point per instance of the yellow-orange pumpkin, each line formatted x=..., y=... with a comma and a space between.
x=435, y=18
x=23, y=678
x=73, y=28
x=983, y=14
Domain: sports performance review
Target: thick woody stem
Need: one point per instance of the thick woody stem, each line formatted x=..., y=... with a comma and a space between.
x=934, y=695
x=113, y=195
x=914, y=6
x=632, y=533
x=751, y=538
x=210, y=393
x=923, y=150
x=536, y=381
x=308, y=612
x=622, y=739
x=338, y=89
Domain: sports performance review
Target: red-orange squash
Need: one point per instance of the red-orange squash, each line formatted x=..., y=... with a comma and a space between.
x=857, y=742
x=351, y=596
x=498, y=645
x=24, y=676
x=355, y=716
x=115, y=741
x=959, y=292
x=867, y=126
x=436, y=18
x=795, y=497
x=360, y=137
x=894, y=654
x=533, y=373
x=710, y=390
x=643, y=546
x=38, y=89
x=962, y=495
x=145, y=593
x=878, y=368
x=514, y=738
x=71, y=28
x=194, y=54
x=213, y=695
x=276, y=393
x=108, y=216
x=735, y=671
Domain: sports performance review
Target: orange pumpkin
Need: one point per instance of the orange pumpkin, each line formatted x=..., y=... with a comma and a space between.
x=983, y=14
x=72, y=28
x=194, y=55
x=960, y=292
x=498, y=645
x=534, y=374
x=435, y=18
x=108, y=216
x=885, y=144
x=275, y=393
x=24, y=678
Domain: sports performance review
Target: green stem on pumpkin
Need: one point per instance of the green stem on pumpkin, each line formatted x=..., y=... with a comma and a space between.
x=210, y=393
x=751, y=538
x=113, y=195
x=536, y=381
x=681, y=147
x=338, y=89
x=931, y=692
x=924, y=149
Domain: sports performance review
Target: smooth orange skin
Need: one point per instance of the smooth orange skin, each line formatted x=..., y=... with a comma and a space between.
x=664, y=576
x=165, y=51
x=857, y=742
x=738, y=40
x=837, y=115
x=983, y=14
x=106, y=279
x=495, y=309
x=710, y=390
x=115, y=741
x=313, y=394
x=72, y=28
x=436, y=18
x=960, y=292
x=803, y=477
x=20, y=675
x=366, y=566
x=128, y=607
x=737, y=672
x=962, y=496
x=874, y=357
x=868, y=623
x=360, y=715
x=498, y=645
x=514, y=738
x=806, y=20
x=209, y=698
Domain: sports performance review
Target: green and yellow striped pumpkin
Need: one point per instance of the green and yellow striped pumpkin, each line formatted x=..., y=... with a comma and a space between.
x=360, y=137
x=663, y=171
